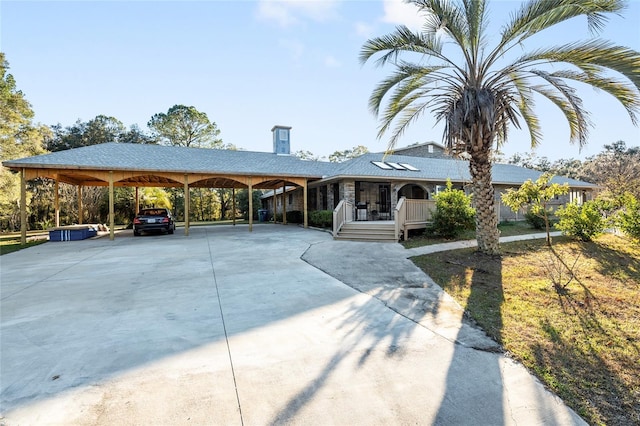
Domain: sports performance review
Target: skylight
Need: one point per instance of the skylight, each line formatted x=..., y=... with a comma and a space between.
x=396, y=166
x=409, y=167
x=389, y=165
x=382, y=165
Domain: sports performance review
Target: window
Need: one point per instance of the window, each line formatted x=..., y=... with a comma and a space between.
x=409, y=167
x=396, y=166
x=430, y=149
x=382, y=165
x=389, y=165
x=283, y=134
x=290, y=199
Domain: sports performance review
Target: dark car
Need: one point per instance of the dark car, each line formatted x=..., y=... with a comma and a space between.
x=155, y=219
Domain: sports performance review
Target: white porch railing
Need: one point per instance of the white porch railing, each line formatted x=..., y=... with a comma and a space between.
x=412, y=214
x=342, y=214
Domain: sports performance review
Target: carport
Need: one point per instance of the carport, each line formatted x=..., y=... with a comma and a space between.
x=138, y=165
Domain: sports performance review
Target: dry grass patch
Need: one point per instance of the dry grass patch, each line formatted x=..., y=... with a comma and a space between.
x=583, y=340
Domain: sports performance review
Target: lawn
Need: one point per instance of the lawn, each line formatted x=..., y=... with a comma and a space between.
x=506, y=229
x=9, y=245
x=583, y=340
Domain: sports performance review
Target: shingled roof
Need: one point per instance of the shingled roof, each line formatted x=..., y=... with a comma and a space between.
x=440, y=169
x=158, y=158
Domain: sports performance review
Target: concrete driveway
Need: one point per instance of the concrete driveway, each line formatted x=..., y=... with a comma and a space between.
x=278, y=326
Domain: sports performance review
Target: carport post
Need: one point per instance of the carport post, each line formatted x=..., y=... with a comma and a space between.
x=284, y=204
x=304, y=202
x=23, y=206
x=275, y=204
x=137, y=203
x=56, y=201
x=112, y=219
x=233, y=205
x=80, y=204
x=186, y=204
x=250, y=205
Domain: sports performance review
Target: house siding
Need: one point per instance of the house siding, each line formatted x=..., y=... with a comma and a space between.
x=422, y=150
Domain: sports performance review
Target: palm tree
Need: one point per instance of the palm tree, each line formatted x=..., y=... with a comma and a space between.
x=478, y=90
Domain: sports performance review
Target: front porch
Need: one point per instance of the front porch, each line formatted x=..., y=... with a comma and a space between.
x=408, y=214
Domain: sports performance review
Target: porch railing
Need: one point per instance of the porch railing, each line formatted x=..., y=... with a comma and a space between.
x=400, y=216
x=412, y=213
x=342, y=214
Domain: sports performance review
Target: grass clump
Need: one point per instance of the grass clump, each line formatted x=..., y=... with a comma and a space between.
x=583, y=340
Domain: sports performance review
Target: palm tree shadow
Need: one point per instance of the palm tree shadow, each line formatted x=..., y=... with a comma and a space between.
x=377, y=326
x=474, y=386
x=366, y=329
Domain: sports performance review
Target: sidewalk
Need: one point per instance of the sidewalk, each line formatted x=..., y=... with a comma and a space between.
x=435, y=248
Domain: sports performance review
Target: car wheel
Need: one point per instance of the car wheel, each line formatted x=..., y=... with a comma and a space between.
x=170, y=230
x=136, y=233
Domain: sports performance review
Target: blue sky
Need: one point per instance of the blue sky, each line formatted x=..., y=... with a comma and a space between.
x=252, y=64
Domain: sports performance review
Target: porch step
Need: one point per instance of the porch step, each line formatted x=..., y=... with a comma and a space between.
x=383, y=231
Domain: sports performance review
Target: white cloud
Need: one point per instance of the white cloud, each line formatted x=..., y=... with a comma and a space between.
x=288, y=12
x=331, y=62
x=398, y=12
x=364, y=30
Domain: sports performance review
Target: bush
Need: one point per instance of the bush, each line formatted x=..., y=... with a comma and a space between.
x=454, y=213
x=295, y=216
x=535, y=220
x=629, y=217
x=584, y=222
x=321, y=218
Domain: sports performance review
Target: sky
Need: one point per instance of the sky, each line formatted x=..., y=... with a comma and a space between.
x=250, y=65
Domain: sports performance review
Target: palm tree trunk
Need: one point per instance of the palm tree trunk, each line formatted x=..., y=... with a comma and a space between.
x=483, y=196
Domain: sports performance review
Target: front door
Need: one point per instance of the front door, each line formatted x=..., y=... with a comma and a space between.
x=384, y=197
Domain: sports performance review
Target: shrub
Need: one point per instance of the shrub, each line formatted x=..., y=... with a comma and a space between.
x=584, y=222
x=46, y=224
x=535, y=220
x=454, y=213
x=295, y=216
x=536, y=195
x=321, y=218
x=629, y=217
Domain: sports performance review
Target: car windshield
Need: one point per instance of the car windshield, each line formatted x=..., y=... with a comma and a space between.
x=153, y=212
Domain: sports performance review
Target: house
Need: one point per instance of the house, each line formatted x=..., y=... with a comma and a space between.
x=374, y=196
x=373, y=185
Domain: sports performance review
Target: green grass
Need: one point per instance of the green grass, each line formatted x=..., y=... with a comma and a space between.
x=583, y=340
x=9, y=245
x=507, y=229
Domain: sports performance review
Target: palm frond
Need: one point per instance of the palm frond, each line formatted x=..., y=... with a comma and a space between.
x=535, y=16
x=407, y=76
x=402, y=40
x=475, y=11
x=538, y=15
x=452, y=19
x=591, y=57
x=526, y=107
x=403, y=118
x=626, y=94
x=576, y=124
x=448, y=17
